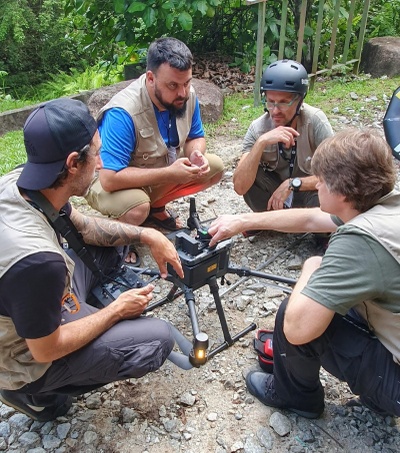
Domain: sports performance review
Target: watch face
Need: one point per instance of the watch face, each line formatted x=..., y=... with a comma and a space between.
x=296, y=183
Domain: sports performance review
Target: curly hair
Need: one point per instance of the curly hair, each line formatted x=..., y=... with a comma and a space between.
x=358, y=164
x=171, y=51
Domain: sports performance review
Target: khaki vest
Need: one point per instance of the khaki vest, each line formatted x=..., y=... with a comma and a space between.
x=381, y=223
x=23, y=231
x=313, y=127
x=150, y=150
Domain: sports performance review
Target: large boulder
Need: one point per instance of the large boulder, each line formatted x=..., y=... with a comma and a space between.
x=381, y=56
x=211, y=99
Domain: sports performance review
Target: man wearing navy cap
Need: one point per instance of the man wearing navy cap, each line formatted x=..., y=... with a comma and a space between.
x=53, y=345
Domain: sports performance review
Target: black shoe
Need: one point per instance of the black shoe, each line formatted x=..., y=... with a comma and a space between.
x=261, y=385
x=23, y=403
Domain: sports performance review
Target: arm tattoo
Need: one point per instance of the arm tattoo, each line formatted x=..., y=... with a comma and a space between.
x=106, y=232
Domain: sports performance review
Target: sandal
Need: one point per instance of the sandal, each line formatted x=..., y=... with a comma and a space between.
x=128, y=258
x=169, y=223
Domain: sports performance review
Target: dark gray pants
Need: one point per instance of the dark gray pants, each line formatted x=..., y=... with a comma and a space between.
x=347, y=350
x=130, y=349
x=264, y=186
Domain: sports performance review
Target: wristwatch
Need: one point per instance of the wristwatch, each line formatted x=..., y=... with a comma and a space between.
x=295, y=184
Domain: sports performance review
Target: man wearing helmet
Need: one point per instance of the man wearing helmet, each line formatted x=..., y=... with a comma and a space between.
x=274, y=171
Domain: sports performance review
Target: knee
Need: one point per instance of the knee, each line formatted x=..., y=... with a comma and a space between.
x=217, y=178
x=136, y=215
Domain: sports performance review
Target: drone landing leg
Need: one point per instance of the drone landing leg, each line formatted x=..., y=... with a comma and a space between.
x=229, y=340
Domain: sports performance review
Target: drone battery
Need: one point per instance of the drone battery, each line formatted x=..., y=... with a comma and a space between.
x=200, y=262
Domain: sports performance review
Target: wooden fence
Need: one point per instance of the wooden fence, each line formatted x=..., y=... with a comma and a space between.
x=341, y=8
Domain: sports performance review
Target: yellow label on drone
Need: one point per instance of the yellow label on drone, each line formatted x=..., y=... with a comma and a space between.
x=212, y=267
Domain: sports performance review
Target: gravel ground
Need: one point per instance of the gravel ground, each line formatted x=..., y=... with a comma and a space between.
x=208, y=409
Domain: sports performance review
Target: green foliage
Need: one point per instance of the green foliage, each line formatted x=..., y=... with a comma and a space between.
x=384, y=18
x=40, y=38
x=110, y=26
x=65, y=84
x=35, y=41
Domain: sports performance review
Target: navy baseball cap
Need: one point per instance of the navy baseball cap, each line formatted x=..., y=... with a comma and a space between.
x=52, y=132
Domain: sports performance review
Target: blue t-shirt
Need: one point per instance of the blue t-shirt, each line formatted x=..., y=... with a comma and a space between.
x=117, y=133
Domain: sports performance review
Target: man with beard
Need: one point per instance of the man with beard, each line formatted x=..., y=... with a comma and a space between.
x=53, y=345
x=274, y=171
x=153, y=142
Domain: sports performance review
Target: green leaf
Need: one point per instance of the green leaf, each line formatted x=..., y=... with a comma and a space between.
x=308, y=31
x=119, y=6
x=169, y=21
x=185, y=20
x=202, y=6
x=136, y=6
x=274, y=30
x=289, y=52
x=210, y=11
x=149, y=16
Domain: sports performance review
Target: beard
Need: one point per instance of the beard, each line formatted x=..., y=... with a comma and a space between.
x=177, y=112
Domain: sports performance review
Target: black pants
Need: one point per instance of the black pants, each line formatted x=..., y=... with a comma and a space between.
x=348, y=351
x=264, y=186
x=130, y=349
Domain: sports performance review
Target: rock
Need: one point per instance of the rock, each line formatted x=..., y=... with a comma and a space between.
x=211, y=99
x=295, y=263
x=280, y=424
x=381, y=56
x=128, y=415
x=187, y=399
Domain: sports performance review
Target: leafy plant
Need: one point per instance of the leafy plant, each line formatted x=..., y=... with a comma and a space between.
x=3, y=75
x=384, y=18
x=65, y=84
x=35, y=41
x=109, y=26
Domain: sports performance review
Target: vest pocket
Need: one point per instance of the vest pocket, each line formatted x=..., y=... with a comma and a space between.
x=21, y=353
x=146, y=132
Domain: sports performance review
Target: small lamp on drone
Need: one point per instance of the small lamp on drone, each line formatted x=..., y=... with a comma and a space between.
x=198, y=355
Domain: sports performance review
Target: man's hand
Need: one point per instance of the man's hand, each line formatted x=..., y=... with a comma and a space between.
x=225, y=227
x=184, y=172
x=198, y=159
x=74, y=335
x=162, y=250
x=130, y=304
x=278, y=198
x=280, y=134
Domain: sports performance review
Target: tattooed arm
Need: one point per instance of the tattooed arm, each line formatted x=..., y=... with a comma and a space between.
x=105, y=232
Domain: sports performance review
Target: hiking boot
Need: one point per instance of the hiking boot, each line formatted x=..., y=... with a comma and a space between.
x=23, y=402
x=261, y=385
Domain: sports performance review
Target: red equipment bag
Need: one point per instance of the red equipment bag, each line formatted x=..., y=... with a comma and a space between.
x=263, y=346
